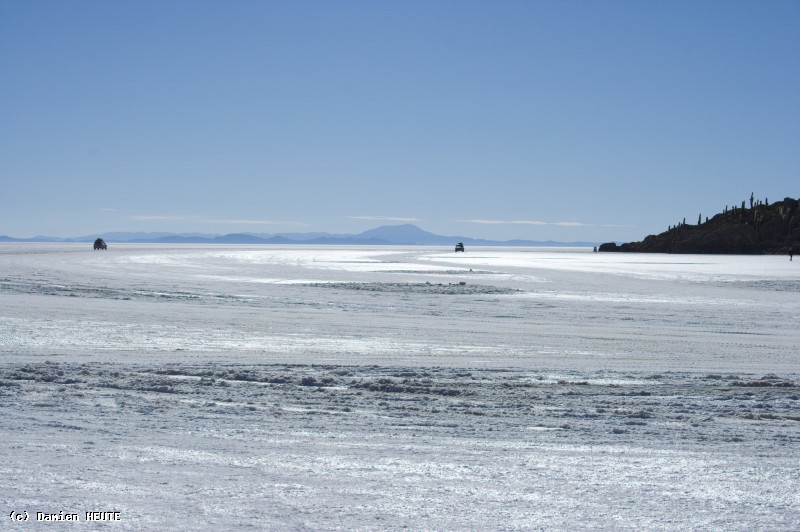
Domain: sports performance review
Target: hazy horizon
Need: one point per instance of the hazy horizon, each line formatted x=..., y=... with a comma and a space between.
x=300, y=235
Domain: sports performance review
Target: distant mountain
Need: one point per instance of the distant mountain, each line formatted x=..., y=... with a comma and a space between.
x=32, y=239
x=408, y=234
x=763, y=228
x=388, y=235
x=300, y=237
x=118, y=236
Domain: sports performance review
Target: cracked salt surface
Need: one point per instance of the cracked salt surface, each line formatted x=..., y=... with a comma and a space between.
x=582, y=391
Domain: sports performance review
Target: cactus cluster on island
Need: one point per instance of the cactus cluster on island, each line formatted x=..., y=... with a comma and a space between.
x=753, y=227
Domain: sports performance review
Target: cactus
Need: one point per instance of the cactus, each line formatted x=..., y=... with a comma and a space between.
x=751, y=201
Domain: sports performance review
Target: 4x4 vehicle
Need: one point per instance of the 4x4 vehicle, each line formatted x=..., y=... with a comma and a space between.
x=460, y=246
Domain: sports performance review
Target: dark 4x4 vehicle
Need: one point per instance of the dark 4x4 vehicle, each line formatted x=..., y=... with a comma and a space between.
x=460, y=246
x=100, y=244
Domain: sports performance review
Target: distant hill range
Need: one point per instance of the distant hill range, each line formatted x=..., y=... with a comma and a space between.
x=754, y=227
x=402, y=235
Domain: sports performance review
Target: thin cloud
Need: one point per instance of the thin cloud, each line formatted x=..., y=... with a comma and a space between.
x=256, y=222
x=385, y=218
x=202, y=219
x=539, y=222
x=161, y=217
x=527, y=222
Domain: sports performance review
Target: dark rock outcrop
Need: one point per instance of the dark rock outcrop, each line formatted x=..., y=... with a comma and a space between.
x=761, y=229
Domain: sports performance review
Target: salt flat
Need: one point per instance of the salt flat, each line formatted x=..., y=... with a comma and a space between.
x=378, y=388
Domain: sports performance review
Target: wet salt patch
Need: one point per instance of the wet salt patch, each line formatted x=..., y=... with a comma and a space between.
x=323, y=258
x=333, y=257
x=153, y=259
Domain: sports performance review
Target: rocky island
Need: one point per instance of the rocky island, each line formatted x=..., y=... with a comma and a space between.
x=758, y=228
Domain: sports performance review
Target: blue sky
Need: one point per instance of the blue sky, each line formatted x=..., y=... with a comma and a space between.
x=563, y=120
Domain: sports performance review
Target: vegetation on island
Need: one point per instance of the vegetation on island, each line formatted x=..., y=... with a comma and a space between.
x=754, y=227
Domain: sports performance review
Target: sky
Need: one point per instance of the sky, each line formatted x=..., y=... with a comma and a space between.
x=542, y=120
